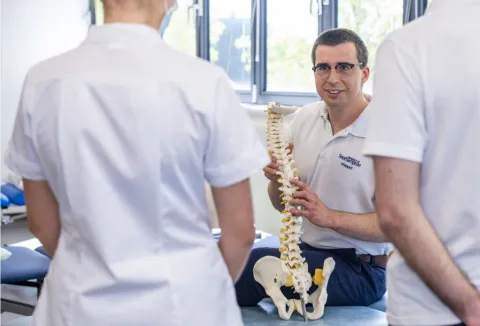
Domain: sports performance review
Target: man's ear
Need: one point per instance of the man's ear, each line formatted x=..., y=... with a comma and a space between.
x=365, y=74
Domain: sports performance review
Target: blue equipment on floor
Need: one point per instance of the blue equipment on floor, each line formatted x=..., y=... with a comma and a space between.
x=5, y=201
x=14, y=194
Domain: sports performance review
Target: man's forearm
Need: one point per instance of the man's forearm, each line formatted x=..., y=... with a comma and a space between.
x=274, y=194
x=424, y=252
x=359, y=226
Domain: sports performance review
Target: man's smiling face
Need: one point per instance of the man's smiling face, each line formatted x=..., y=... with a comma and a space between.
x=338, y=75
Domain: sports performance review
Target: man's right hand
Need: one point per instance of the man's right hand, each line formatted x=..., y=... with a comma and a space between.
x=270, y=171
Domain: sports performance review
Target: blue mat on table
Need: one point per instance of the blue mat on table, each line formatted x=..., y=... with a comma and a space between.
x=381, y=304
x=265, y=314
x=41, y=250
x=24, y=264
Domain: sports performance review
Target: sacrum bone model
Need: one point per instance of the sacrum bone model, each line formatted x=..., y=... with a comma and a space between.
x=291, y=269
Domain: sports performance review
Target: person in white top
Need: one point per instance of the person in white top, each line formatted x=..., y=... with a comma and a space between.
x=114, y=140
x=337, y=181
x=424, y=135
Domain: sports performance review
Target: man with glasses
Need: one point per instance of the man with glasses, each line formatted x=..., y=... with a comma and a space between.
x=336, y=184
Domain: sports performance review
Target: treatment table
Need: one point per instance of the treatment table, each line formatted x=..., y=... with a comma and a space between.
x=264, y=314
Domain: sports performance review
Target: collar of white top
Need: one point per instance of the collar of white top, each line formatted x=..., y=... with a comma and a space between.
x=358, y=128
x=123, y=32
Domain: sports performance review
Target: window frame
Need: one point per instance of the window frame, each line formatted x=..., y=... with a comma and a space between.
x=263, y=95
x=417, y=9
x=258, y=93
x=202, y=28
x=93, y=12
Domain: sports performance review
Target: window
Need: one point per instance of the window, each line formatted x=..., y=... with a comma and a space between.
x=181, y=34
x=230, y=39
x=98, y=12
x=291, y=32
x=373, y=20
x=265, y=45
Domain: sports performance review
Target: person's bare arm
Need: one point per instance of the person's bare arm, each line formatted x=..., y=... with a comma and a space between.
x=359, y=226
x=235, y=216
x=404, y=223
x=43, y=217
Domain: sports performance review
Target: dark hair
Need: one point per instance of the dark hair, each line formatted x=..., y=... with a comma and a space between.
x=339, y=36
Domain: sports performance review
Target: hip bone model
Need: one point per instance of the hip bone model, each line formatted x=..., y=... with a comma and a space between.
x=291, y=269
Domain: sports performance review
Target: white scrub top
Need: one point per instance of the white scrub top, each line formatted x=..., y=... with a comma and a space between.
x=125, y=130
x=335, y=168
x=426, y=109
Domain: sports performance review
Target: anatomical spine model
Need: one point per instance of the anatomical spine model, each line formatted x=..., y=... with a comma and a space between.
x=290, y=269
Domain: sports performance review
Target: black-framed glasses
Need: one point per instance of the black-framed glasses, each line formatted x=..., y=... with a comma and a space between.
x=323, y=69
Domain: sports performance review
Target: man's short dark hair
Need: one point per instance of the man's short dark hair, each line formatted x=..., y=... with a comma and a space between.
x=337, y=36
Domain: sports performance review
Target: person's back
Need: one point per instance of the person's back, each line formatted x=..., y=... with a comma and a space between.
x=127, y=130
x=440, y=127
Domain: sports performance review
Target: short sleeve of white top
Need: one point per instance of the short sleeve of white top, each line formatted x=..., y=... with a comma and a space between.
x=234, y=149
x=419, y=115
x=21, y=157
x=334, y=167
x=397, y=125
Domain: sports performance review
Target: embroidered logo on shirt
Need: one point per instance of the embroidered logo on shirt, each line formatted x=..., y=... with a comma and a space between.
x=349, y=162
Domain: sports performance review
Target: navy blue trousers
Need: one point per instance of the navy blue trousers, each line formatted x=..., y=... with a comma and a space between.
x=354, y=282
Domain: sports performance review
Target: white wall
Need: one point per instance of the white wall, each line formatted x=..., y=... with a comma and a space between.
x=32, y=30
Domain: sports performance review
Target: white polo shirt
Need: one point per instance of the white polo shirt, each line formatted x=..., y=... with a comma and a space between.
x=334, y=167
x=426, y=109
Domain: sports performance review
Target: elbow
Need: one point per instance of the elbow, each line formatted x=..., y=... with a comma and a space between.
x=249, y=238
x=241, y=237
x=389, y=219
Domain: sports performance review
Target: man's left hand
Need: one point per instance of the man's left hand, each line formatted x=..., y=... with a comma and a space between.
x=313, y=208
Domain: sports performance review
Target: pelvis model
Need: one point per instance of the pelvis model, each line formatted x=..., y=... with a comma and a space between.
x=291, y=269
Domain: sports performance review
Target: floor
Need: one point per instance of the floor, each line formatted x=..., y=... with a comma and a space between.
x=13, y=233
